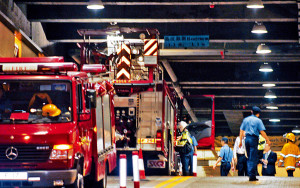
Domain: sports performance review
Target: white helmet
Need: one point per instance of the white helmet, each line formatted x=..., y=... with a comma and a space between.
x=182, y=125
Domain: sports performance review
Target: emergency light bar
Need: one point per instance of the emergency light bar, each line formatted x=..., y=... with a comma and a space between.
x=94, y=68
x=38, y=67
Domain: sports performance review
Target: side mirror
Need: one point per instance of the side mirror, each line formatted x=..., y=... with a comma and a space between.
x=91, y=98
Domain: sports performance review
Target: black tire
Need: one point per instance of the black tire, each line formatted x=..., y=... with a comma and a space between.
x=79, y=182
x=170, y=153
x=103, y=182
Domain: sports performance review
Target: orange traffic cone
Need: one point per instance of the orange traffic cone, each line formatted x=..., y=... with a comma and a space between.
x=141, y=165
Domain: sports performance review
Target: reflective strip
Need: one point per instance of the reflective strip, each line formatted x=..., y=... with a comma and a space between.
x=282, y=155
x=298, y=156
x=290, y=167
x=281, y=160
x=290, y=155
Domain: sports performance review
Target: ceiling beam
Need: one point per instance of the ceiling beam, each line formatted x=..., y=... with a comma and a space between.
x=154, y=3
x=203, y=87
x=162, y=41
x=253, y=97
x=282, y=119
x=163, y=20
x=226, y=110
x=238, y=83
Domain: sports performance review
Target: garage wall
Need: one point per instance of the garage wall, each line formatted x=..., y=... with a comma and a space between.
x=27, y=52
x=7, y=42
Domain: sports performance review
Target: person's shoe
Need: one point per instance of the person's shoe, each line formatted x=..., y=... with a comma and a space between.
x=253, y=179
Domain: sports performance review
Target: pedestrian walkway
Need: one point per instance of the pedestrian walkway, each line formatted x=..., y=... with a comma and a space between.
x=209, y=182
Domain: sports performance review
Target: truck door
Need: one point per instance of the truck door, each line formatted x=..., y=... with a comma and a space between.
x=84, y=125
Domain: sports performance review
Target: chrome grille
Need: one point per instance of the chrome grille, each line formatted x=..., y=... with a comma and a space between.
x=26, y=153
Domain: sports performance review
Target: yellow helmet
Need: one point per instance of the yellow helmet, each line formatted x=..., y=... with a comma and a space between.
x=50, y=110
x=290, y=136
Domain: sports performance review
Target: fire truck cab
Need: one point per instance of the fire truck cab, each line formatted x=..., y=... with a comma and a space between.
x=57, y=123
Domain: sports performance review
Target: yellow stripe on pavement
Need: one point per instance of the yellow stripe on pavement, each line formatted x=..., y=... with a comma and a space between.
x=177, y=182
x=167, y=182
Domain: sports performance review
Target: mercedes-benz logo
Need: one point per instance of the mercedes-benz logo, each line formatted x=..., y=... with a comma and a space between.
x=11, y=153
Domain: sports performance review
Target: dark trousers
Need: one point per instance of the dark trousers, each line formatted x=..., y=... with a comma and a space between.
x=225, y=168
x=187, y=164
x=241, y=165
x=251, y=143
x=260, y=155
x=290, y=173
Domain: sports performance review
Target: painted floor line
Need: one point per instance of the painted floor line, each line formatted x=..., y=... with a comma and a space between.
x=177, y=182
x=168, y=181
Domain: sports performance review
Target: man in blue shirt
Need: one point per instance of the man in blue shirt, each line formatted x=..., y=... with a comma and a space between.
x=226, y=158
x=252, y=126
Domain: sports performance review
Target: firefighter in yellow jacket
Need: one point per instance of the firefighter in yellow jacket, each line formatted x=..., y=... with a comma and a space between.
x=289, y=155
x=186, y=155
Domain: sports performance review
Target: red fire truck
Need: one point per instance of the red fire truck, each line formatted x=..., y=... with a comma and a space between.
x=57, y=123
x=145, y=108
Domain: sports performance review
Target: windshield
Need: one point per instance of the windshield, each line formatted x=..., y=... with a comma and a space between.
x=32, y=101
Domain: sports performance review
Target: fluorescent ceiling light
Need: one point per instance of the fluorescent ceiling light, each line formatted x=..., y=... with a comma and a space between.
x=274, y=120
x=263, y=49
x=270, y=95
x=95, y=5
x=255, y=4
x=269, y=85
x=271, y=106
x=265, y=68
x=296, y=130
x=259, y=28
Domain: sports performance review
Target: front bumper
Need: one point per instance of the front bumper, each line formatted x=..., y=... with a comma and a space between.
x=42, y=178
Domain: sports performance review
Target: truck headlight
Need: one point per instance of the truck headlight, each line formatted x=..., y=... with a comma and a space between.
x=61, y=152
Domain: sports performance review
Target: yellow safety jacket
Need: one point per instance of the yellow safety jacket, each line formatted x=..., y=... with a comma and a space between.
x=185, y=137
x=261, y=143
x=289, y=155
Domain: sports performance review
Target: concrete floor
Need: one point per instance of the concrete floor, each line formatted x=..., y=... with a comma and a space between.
x=210, y=182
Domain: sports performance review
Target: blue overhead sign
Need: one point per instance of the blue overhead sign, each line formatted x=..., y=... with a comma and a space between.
x=186, y=41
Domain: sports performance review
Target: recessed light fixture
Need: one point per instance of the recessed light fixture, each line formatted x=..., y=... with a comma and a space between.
x=263, y=49
x=269, y=85
x=270, y=95
x=95, y=4
x=265, y=68
x=259, y=28
x=255, y=4
x=274, y=120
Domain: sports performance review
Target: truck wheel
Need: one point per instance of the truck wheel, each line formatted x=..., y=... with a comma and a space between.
x=103, y=182
x=79, y=182
x=170, y=153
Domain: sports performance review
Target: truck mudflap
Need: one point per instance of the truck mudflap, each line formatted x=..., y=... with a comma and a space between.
x=39, y=178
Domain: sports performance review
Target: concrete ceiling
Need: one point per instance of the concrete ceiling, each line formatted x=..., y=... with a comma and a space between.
x=234, y=78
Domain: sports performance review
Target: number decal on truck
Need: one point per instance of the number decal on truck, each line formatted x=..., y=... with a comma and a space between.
x=156, y=164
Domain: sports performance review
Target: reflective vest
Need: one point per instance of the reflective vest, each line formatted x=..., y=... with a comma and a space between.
x=185, y=137
x=261, y=143
x=289, y=155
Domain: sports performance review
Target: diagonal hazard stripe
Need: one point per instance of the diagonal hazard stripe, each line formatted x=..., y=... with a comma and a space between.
x=119, y=50
x=152, y=50
x=125, y=60
x=126, y=48
x=123, y=72
x=149, y=44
